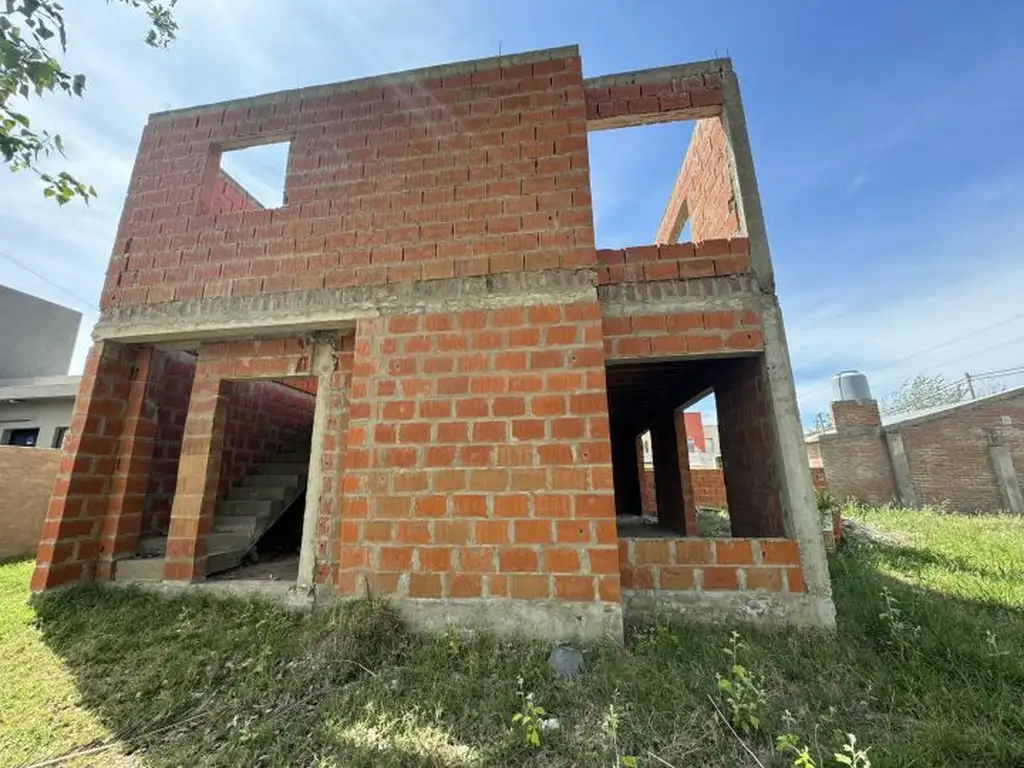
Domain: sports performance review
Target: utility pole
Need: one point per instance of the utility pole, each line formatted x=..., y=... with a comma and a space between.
x=970, y=384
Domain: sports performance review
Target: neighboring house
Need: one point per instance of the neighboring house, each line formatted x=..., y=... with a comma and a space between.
x=37, y=396
x=966, y=456
x=36, y=401
x=701, y=442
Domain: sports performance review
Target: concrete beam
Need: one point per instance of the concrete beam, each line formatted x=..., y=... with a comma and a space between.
x=292, y=313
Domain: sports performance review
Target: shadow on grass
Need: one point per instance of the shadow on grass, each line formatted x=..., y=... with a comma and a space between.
x=351, y=687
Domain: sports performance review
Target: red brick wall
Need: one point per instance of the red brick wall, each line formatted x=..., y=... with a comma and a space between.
x=650, y=263
x=26, y=481
x=856, y=413
x=746, y=431
x=948, y=454
x=478, y=461
x=173, y=373
x=682, y=333
x=704, y=188
x=228, y=196
x=711, y=565
x=466, y=174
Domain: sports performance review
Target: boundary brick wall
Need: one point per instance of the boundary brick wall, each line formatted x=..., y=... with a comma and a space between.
x=26, y=482
x=948, y=454
x=711, y=565
x=478, y=459
x=466, y=174
x=855, y=457
x=703, y=188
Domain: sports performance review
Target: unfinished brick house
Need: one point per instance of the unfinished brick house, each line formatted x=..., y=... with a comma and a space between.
x=423, y=361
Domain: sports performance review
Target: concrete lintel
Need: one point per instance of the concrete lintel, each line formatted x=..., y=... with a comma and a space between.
x=799, y=506
x=653, y=118
x=730, y=292
x=661, y=74
x=763, y=609
x=377, y=81
x=901, y=468
x=239, y=316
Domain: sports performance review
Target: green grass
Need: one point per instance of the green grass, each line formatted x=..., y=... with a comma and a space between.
x=193, y=681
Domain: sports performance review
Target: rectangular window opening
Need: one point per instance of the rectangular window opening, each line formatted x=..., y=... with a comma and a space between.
x=251, y=178
x=24, y=438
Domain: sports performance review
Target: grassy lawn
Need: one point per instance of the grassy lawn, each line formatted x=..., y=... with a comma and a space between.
x=934, y=677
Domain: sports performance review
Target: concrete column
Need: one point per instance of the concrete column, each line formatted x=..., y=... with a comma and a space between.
x=1006, y=475
x=130, y=479
x=195, y=496
x=800, y=511
x=900, y=469
x=668, y=484
x=325, y=362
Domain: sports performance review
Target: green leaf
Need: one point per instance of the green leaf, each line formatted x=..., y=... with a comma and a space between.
x=628, y=761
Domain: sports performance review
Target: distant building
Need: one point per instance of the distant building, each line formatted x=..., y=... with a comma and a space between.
x=965, y=456
x=37, y=339
x=701, y=442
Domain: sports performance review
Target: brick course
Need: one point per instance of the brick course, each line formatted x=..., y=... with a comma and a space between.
x=711, y=565
x=28, y=475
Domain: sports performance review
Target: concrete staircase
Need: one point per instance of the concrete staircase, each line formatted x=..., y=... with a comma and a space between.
x=241, y=519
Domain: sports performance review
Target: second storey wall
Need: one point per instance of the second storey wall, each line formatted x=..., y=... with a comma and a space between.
x=467, y=173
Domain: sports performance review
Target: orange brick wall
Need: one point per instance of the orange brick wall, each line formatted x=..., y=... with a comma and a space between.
x=467, y=174
x=709, y=487
x=681, y=333
x=229, y=197
x=651, y=263
x=711, y=565
x=26, y=481
x=478, y=461
x=703, y=188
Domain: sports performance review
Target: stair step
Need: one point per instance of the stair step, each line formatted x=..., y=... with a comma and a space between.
x=139, y=569
x=223, y=542
x=151, y=546
x=240, y=526
x=223, y=560
x=263, y=492
x=284, y=479
x=248, y=508
x=293, y=457
x=283, y=468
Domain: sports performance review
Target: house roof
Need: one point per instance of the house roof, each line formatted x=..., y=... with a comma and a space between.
x=39, y=388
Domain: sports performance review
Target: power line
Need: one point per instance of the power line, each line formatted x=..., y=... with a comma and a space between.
x=45, y=279
x=950, y=341
x=980, y=352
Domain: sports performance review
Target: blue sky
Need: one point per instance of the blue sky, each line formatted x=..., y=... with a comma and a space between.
x=885, y=138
